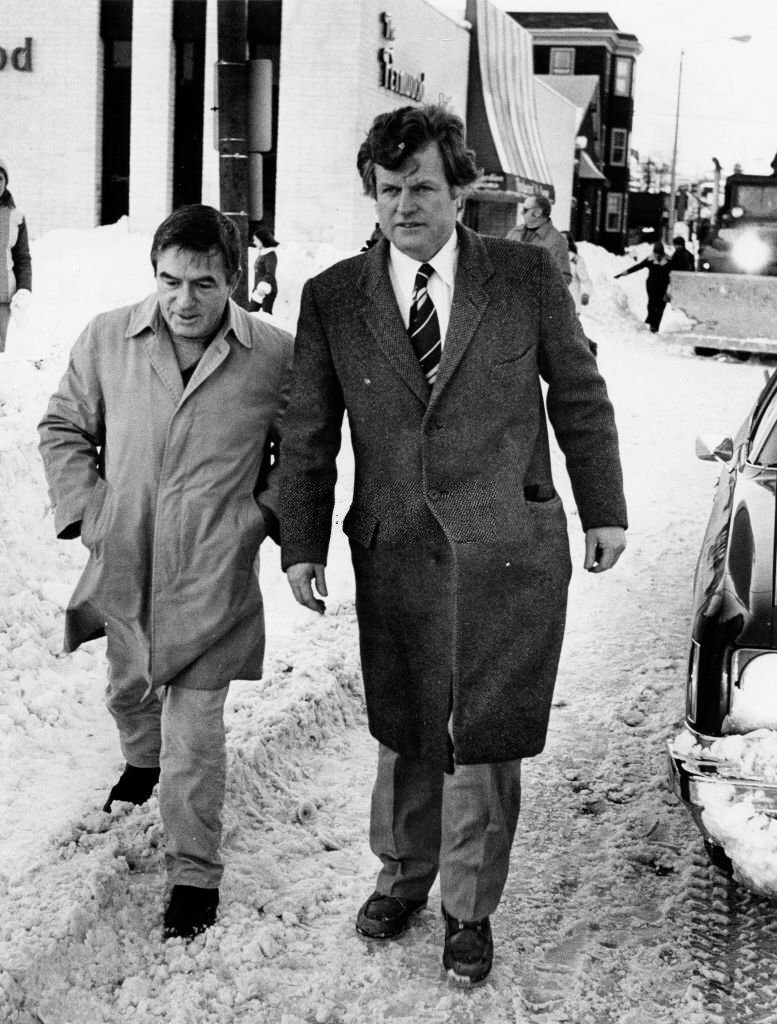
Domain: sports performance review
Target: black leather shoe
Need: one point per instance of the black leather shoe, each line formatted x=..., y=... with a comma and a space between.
x=135, y=786
x=190, y=911
x=386, y=917
x=469, y=949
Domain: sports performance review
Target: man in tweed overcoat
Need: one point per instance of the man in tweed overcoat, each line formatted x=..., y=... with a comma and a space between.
x=458, y=538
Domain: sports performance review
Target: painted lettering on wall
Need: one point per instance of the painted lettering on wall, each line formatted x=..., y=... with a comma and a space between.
x=20, y=58
x=391, y=77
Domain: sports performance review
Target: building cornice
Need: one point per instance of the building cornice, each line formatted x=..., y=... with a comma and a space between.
x=619, y=43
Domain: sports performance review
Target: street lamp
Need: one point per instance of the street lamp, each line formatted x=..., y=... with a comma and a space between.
x=673, y=176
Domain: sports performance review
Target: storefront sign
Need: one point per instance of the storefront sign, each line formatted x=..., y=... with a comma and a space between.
x=401, y=82
x=20, y=57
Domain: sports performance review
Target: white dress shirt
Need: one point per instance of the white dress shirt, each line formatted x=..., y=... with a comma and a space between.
x=403, y=269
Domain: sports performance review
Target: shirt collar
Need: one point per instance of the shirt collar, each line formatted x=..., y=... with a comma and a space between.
x=543, y=229
x=147, y=316
x=443, y=262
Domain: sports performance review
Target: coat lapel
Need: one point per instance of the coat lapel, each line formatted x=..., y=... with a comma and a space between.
x=382, y=317
x=381, y=312
x=162, y=357
x=469, y=304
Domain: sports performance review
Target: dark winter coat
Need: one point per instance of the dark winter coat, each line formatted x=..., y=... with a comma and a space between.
x=15, y=261
x=165, y=485
x=458, y=539
x=265, y=266
x=659, y=269
x=682, y=259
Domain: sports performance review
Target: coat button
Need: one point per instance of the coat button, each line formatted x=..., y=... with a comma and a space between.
x=434, y=495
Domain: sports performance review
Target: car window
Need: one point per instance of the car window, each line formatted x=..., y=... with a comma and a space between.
x=763, y=403
x=763, y=444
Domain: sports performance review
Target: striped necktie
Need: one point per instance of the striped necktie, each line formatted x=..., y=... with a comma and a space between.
x=424, y=327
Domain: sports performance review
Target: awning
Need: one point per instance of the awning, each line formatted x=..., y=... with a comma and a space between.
x=586, y=168
x=502, y=122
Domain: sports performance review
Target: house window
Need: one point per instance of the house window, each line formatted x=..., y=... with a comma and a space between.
x=623, y=72
x=562, y=60
x=618, y=141
x=614, y=213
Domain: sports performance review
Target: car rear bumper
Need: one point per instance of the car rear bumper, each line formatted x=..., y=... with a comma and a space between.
x=693, y=777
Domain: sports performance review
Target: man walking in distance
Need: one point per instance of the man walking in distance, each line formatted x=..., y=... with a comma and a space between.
x=434, y=342
x=538, y=230
x=159, y=447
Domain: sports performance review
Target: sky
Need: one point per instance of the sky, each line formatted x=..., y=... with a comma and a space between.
x=728, y=99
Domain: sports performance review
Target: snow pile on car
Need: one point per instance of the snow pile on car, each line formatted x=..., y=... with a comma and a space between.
x=739, y=815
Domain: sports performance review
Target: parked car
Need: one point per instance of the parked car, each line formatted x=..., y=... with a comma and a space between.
x=731, y=688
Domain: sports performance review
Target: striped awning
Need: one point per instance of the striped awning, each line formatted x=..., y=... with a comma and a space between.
x=501, y=117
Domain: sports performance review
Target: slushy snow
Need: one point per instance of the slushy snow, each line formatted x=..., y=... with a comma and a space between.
x=602, y=853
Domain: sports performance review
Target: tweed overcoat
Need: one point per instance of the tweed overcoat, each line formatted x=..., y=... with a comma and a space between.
x=166, y=485
x=458, y=539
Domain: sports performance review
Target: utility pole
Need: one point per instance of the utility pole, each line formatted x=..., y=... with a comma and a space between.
x=233, y=123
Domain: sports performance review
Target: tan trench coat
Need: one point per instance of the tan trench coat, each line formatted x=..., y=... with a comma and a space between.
x=166, y=486
x=457, y=536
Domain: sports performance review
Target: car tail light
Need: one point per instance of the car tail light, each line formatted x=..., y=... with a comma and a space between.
x=692, y=693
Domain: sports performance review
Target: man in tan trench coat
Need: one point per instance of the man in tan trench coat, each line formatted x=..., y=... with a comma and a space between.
x=434, y=342
x=159, y=447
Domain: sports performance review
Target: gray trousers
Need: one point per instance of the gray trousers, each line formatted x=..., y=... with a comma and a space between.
x=462, y=825
x=5, y=316
x=182, y=731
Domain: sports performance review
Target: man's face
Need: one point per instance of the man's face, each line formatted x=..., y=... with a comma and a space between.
x=533, y=216
x=193, y=290
x=416, y=206
x=3, y=182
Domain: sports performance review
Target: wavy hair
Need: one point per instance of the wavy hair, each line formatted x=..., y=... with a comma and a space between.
x=398, y=134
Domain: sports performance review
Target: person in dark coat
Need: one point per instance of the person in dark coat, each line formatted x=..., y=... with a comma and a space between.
x=659, y=267
x=435, y=342
x=681, y=258
x=265, y=288
x=15, y=260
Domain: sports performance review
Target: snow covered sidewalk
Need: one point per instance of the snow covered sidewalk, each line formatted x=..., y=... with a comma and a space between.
x=595, y=925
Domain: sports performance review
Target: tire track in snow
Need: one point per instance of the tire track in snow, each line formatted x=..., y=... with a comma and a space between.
x=733, y=933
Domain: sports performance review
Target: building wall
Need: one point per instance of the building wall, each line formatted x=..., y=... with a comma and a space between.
x=330, y=91
x=559, y=117
x=49, y=116
x=151, y=123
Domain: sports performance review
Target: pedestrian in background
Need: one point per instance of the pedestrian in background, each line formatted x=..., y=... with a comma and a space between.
x=658, y=268
x=581, y=285
x=538, y=229
x=681, y=258
x=265, y=286
x=15, y=260
x=159, y=448
x=433, y=342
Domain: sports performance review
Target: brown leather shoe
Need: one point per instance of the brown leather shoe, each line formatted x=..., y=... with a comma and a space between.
x=386, y=917
x=469, y=949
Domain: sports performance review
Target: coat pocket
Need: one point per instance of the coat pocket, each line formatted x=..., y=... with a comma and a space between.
x=361, y=527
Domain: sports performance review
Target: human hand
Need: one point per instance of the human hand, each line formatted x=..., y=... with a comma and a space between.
x=300, y=576
x=603, y=547
x=262, y=289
